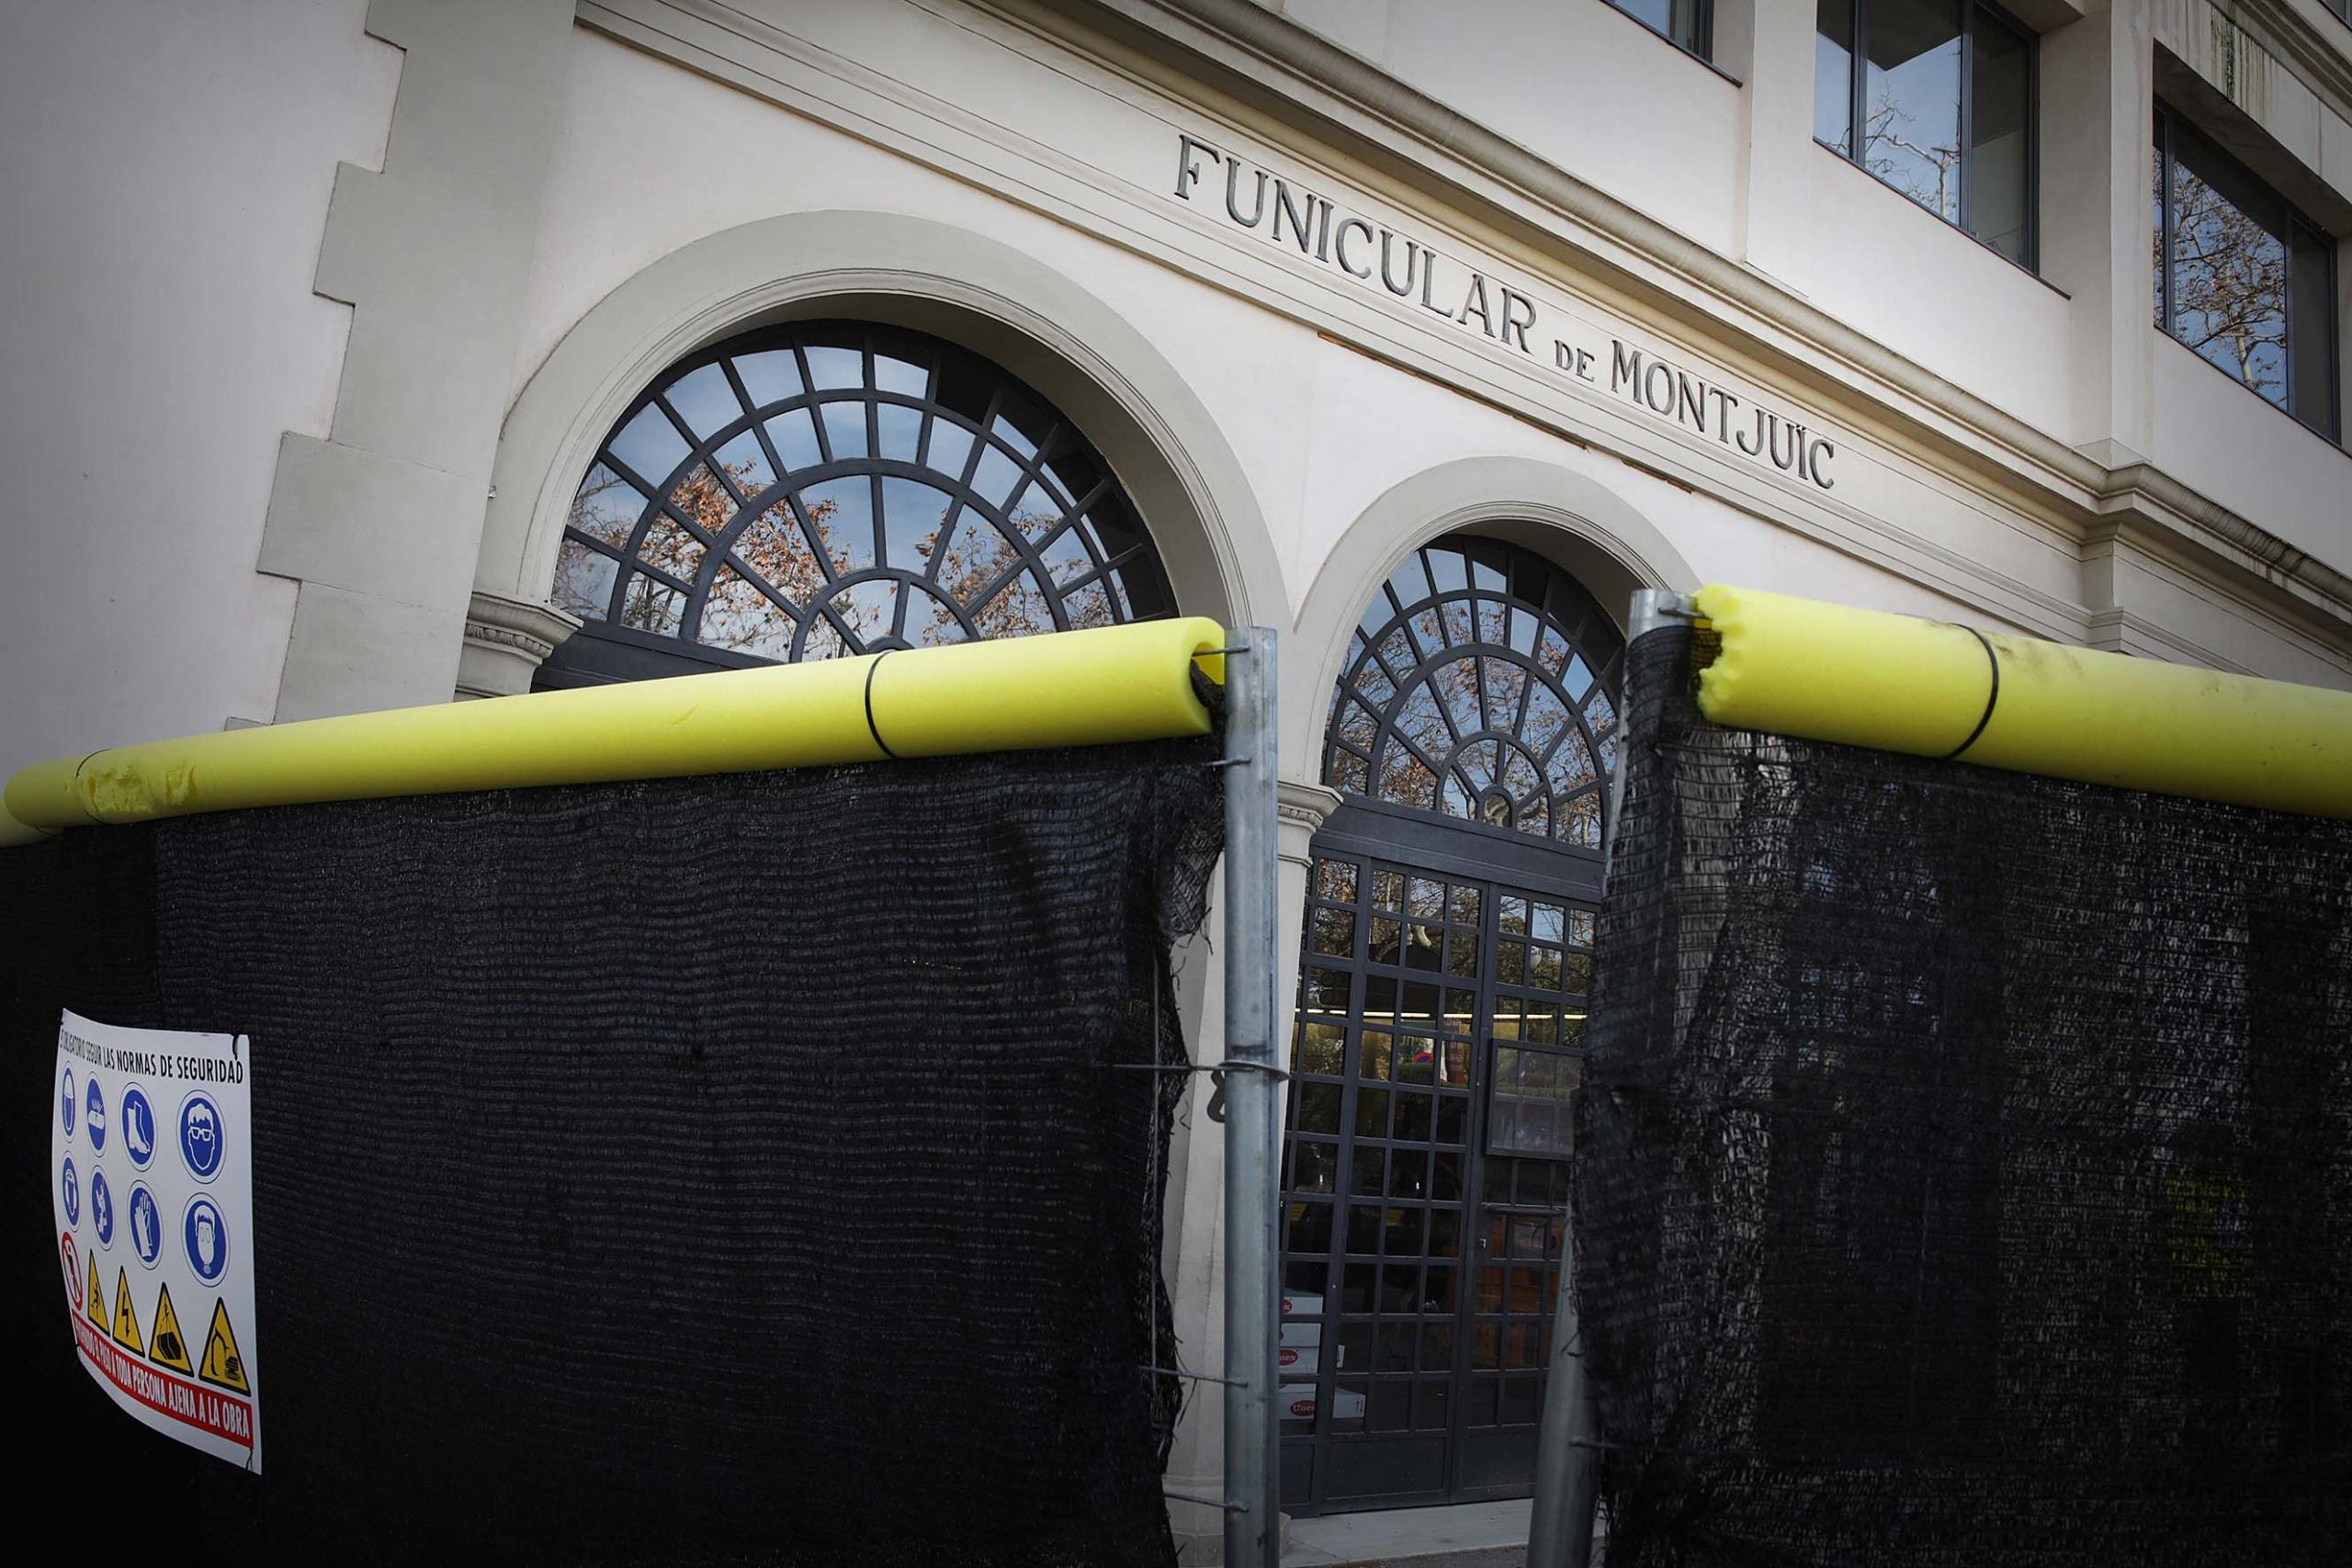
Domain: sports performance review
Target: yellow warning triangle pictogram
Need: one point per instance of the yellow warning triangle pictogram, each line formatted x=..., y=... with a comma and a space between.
x=168, y=1350
x=97, y=1298
x=223, y=1366
x=126, y=1318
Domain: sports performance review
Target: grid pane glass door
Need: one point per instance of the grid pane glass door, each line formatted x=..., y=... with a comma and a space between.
x=1439, y=1031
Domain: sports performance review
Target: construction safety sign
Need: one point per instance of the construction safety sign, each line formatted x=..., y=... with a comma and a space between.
x=151, y=1162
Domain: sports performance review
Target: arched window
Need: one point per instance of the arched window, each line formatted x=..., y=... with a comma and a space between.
x=1471, y=689
x=1448, y=951
x=832, y=488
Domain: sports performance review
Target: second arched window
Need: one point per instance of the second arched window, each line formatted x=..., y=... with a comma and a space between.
x=1447, y=957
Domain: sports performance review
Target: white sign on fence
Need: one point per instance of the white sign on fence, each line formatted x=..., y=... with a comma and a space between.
x=151, y=1161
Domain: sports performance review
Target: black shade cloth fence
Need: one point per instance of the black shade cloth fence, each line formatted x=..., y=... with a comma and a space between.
x=735, y=1169
x=1965, y=1163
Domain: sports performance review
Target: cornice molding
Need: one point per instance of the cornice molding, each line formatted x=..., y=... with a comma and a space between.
x=2320, y=51
x=1305, y=803
x=1300, y=810
x=2156, y=497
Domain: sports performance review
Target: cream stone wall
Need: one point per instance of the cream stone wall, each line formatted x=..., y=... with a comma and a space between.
x=166, y=171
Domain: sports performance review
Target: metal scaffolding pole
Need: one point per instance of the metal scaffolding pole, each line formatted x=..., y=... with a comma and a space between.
x=1568, y=1452
x=1253, y=1521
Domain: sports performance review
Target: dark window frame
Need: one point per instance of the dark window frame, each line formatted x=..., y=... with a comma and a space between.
x=1426, y=620
x=1123, y=571
x=1856, y=117
x=2170, y=123
x=1703, y=47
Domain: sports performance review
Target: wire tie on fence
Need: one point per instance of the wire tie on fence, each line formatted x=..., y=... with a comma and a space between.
x=1216, y=1077
x=1228, y=762
x=1229, y=1504
x=1200, y=1377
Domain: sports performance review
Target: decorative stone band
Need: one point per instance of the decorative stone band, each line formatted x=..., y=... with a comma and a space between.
x=1299, y=810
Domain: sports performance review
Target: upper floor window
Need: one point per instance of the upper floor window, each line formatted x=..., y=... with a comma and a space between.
x=2241, y=277
x=1936, y=97
x=1687, y=24
x=837, y=488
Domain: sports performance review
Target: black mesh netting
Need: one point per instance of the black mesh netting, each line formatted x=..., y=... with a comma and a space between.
x=1965, y=1170
x=717, y=1171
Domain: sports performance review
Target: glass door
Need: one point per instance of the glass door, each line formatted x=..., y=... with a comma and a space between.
x=1439, y=1032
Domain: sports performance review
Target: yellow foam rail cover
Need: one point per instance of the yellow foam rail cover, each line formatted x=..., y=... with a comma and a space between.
x=1083, y=688
x=1864, y=677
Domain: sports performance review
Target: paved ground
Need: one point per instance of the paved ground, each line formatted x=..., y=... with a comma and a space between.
x=1469, y=1535
x=1496, y=1557
x=1503, y=1557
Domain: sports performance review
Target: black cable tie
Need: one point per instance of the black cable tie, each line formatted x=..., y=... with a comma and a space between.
x=1216, y=1077
x=1281, y=1075
x=1991, y=698
x=1199, y=1377
x=871, y=727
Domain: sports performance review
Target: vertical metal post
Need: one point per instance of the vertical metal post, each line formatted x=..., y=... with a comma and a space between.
x=1253, y=1520
x=1559, y=1532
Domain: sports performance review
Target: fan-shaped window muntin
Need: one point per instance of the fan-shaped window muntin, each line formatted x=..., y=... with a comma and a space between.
x=827, y=489
x=1476, y=687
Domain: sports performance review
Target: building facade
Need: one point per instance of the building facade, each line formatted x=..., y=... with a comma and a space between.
x=373, y=353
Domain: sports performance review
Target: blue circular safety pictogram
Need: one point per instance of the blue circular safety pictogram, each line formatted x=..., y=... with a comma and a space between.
x=146, y=1225
x=101, y=1208
x=206, y=1235
x=94, y=1114
x=138, y=1127
x=66, y=1102
x=73, y=1186
x=203, y=1138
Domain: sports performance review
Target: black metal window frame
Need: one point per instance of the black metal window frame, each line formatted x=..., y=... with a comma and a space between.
x=1420, y=1241
x=1445, y=962
x=1700, y=46
x=1507, y=610
x=2285, y=220
x=1856, y=117
x=1061, y=498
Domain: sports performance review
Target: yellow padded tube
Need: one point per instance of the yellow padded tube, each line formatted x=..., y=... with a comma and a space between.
x=1138, y=687
x=12, y=832
x=1863, y=678
x=1117, y=683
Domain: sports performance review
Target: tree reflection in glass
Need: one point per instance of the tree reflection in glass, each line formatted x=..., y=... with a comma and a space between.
x=1464, y=695
x=2229, y=277
x=832, y=488
x=1911, y=101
